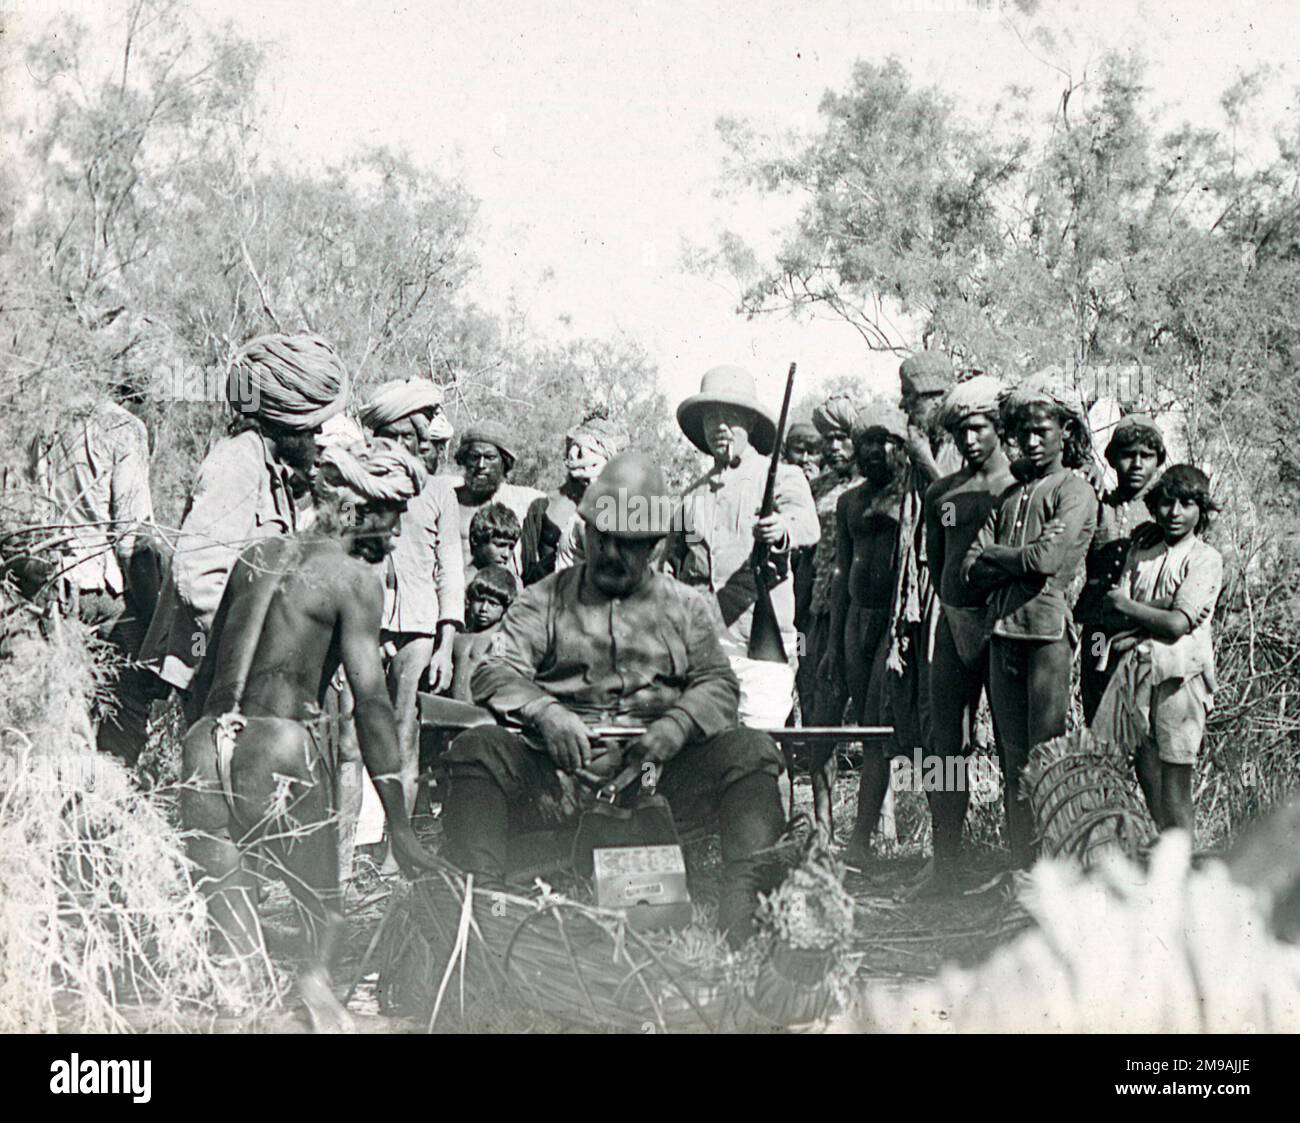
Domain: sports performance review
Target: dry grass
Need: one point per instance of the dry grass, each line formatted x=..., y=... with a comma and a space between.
x=97, y=909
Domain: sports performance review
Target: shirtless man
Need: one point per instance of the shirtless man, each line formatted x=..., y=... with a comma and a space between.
x=955, y=509
x=861, y=597
x=257, y=760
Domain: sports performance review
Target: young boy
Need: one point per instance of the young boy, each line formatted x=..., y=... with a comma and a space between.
x=493, y=534
x=1025, y=559
x=1136, y=451
x=956, y=506
x=1162, y=686
x=492, y=591
x=866, y=535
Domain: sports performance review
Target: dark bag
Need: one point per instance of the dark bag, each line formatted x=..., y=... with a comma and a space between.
x=646, y=820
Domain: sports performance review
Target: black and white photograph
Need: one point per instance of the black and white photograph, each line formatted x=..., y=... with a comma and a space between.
x=644, y=517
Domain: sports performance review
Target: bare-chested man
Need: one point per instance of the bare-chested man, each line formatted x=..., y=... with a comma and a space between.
x=257, y=760
x=956, y=506
x=861, y=597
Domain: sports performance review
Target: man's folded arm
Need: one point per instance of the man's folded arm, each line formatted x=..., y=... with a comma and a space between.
x=1075, y=511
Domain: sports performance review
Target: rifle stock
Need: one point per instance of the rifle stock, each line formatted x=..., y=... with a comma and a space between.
x=765, y=643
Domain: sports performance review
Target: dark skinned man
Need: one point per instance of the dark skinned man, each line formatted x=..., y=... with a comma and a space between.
x=258, y=764
x=956, y=506
x=486, y=457
x=1025, y=559
x=605, y=642
x=862, y=586
x=282, y=389
x=424, y=604
x=1136, y=451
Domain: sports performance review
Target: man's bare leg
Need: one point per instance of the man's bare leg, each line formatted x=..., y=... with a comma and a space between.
x=953, y=710
x=298, y=829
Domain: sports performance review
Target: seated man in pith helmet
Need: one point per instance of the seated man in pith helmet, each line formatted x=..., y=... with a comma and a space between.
x=258, y=763
x=711, y=544
x=611, y=641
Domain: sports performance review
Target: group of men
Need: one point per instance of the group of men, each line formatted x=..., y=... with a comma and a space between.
x=953, y=550
x=317, y=584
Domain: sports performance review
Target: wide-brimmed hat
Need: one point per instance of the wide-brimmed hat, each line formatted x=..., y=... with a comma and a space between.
x=727, y=386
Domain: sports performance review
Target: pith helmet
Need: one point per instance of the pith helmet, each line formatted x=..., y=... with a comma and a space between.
x=727, y=386
x=629, y=499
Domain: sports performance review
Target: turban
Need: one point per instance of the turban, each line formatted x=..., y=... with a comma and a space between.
x=926, y=372
x=834, y=417
x=382, y=473
x=1050, y=387
x=980, y=394
x=341, y=431
x=293, y=381
x=604, y=437
x=490, y=432
x=400, y=398
x=880, y=415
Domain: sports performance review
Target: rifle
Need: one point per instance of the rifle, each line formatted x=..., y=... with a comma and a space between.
x=765, y=643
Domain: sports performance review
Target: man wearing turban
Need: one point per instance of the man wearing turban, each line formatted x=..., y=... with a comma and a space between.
x=258, y=764
x=923, y=378
x=822, y=702
x=862, y=585
x=282, y=389
x=424, y=602
x=486, y=457
x=1024, y=561
x=550, y=538
x=956, y=507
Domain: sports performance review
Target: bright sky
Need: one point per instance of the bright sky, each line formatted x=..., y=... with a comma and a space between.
x=587, y=128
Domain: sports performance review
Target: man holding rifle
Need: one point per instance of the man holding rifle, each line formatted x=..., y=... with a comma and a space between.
x=713, y=542
x=610, y=642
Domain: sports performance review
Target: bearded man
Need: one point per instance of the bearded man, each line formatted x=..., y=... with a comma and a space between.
x=486, y=457
x=283, y=388
x=552, y=529
x=605, y=642
x=259, y=762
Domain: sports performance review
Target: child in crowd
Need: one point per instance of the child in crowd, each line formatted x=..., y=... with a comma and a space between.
x=1136, y=452
x=1162, y=684
x=490, y=593
x=493, y=534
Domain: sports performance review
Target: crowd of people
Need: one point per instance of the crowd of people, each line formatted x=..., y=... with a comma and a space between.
x=327, y=574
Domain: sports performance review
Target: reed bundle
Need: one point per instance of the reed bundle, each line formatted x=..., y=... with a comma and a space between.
x=1085, y=799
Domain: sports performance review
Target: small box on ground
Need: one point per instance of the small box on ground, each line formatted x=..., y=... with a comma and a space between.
x=648, y=883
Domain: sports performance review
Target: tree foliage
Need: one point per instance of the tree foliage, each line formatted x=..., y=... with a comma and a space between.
x=150, y=232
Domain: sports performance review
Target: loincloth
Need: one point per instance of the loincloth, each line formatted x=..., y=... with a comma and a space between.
x=222, y=735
